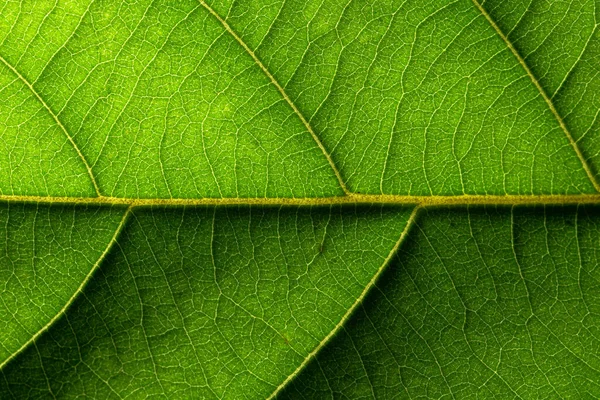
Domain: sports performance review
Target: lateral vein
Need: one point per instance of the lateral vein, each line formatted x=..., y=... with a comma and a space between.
x=85, y=281
x=545, y=96
x=58, y=122
x=354, y=306
x=283, y=93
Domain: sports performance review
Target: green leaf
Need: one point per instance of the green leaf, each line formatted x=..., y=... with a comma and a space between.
x=46, y=259
x=210, y=302
x=487, y=303
x=226, y=199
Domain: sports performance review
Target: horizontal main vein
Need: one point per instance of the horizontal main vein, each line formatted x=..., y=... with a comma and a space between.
x=57, y=120
x=350, y=199
x=544, y=95
x=283, y=93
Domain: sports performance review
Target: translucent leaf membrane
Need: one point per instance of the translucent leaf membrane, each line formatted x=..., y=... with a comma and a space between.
x=46, y=252
x=168, y=100
x=480, y=303
x=209, y=303
x=163, y=102
x=561, y=43
x=416, y=97
x=36, y=157
x=285, y=99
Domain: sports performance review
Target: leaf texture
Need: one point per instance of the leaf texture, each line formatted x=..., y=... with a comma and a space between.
x=47, y=252
x=209, y=303
x=479, y=303
x=299, y=199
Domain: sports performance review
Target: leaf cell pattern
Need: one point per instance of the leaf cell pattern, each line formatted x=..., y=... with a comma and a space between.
x=299, y=199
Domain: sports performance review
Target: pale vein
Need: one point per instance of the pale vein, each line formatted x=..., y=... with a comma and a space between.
x=350, y=310
x=74, y=296
x=283, y=94
x=55, y=117
x=544, y=95
x=350, y=199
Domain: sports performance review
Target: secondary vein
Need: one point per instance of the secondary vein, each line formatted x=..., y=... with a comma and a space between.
x=354, y=306
x=544, y=95
x=58, y=122
x=283, y=93
x=79, y=290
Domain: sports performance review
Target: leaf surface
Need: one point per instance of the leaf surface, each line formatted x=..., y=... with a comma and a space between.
x=201, y=198
x=210, y=302
x=48, y=252
x=479, y=303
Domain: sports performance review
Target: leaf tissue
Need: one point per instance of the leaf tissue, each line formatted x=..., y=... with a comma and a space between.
x=299, y=199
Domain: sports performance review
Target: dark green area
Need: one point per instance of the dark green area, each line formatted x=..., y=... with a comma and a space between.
x=479, y=303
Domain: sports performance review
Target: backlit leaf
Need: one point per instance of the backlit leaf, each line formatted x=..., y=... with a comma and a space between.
x=304, y=199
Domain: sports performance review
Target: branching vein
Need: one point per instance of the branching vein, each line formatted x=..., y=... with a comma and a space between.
x=350, y=310
x=57, y=120
x=281, y=90
x=545, y=96
x=75, y=294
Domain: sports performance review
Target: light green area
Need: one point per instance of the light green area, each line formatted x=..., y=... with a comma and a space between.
x=45, y=254
x=209, y=303
x=479, y=303
x=36, y=157
x=407, y=97
x=561, y=43
x=253, y=99
x=414, y=97
x=162, y=102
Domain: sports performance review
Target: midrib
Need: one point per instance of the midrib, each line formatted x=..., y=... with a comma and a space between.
x=350, y=199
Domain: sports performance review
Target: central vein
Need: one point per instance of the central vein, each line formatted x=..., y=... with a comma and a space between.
x=350, y=199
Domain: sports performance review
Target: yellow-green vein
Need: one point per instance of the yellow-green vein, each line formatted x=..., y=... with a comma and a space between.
x=283, y=93
x=58, y=122
x=544, y=95
x=74, y=296
x=350, y=199
x=350, y=311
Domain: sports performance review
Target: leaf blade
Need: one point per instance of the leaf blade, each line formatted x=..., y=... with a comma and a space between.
x=208, y=106
x=234, y=329
x=479, y=304
x=35, y=295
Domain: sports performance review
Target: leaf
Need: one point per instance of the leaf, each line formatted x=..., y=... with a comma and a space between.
x=488, y=303
x=201, y=199
x=211, y=302
x=47, y=256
